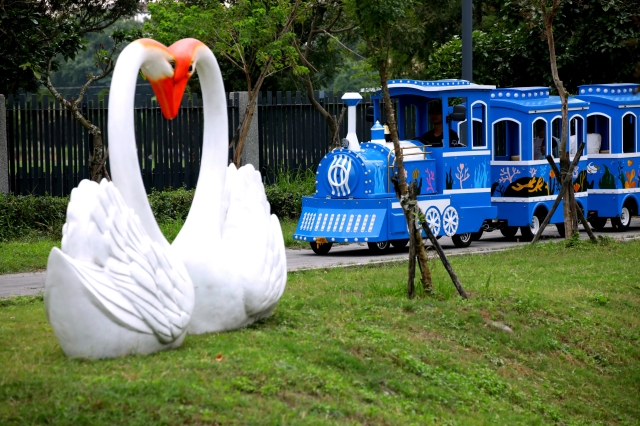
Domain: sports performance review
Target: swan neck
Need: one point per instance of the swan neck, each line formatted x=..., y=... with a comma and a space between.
x=205, y=215
x=123, y=155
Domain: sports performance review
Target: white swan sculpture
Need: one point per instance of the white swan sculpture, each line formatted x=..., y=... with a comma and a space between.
x=116, y=287
x=230, y=244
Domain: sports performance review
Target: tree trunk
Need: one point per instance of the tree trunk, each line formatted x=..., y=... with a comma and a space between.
x=331, y=120
x=243, y=128
x=415, y=237
x=97, y=158
x=411, y=279
x=570, y=216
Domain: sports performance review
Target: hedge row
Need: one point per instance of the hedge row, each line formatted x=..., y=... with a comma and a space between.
x=33, y=216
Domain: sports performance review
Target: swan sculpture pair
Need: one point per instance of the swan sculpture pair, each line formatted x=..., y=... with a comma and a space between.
x=117, y=286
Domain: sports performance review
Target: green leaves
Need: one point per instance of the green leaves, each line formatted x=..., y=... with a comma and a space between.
x=33, y=33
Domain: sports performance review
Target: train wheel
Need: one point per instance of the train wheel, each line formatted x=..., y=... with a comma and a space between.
x=450, y=221
x=399, y=244
x=475, y=236
x=528, y=232
x=462, y=240
x=598, y=223
x=432, y=216
x=509, y=231
x=320, y=249
x=622, y=223
x=379, y=247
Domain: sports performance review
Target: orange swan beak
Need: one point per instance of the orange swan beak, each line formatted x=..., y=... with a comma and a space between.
x=164, y=90
x=184, y=51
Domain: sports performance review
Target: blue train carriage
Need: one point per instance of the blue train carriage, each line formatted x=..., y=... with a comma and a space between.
x=526, y=125
x=355, y=200
x=614, y=153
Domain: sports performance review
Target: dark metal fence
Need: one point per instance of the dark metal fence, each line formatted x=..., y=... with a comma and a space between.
x=49, y=151
x=294, y=135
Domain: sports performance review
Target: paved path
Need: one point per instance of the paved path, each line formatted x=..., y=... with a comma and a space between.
x=351, y=254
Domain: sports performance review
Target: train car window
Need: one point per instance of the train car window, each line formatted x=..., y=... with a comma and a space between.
x=629, y=133
x=576, y=134
x=506, y=140
x=479, y=116
x=556, y=131
x=598, y=134
x=461, y=136
x=539, y=140
x=434, y=137
x=410, y=116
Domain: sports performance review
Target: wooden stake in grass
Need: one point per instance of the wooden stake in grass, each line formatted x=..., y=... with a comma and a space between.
x=566, y=183
x=443, y=257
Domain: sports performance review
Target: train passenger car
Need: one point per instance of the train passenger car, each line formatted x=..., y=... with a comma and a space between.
x=355, y=200
x=614, y=153
x=526, y=125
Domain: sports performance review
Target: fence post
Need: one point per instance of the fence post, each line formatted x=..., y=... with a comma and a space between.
x=251, y=149
x=4, y=161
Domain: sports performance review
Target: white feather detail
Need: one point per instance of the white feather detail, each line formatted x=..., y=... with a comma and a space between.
x=144, y=287
x=250, y=231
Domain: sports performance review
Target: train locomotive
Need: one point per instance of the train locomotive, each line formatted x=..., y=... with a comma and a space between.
x=355, y=200
x=487, y=172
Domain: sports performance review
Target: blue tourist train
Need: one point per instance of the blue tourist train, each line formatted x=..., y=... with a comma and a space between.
x=478, y=155
x=355, y=200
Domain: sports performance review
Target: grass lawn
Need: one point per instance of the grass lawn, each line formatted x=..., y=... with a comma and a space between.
x=345, y=346
x=26, y=255
x=31, y=254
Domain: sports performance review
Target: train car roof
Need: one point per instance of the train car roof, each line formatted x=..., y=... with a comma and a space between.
x=532, y=100
x=617, y=95
x=421, y=87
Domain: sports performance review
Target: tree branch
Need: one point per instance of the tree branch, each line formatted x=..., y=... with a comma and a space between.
x=344, y=46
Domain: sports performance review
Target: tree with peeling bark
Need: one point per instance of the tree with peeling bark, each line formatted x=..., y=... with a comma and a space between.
x=253, y=35
x=546, y=11
x=322, y=52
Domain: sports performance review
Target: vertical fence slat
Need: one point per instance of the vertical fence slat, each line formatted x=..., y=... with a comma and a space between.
x=10, y=144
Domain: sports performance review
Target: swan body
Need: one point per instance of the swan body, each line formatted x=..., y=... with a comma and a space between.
x=116, y=287
x=230, y=244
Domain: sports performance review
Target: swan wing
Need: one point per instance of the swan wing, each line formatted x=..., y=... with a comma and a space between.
x=143, y=286
x=254, y=240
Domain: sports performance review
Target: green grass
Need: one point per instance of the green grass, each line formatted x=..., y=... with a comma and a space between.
x=345, y=346
x=288, y=229
x=31, y=254
x=26, y=255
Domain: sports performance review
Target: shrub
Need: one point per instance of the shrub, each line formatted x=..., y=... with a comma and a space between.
x=34, y=216
x=171, y=205
x=285, y=195
x=22, y=216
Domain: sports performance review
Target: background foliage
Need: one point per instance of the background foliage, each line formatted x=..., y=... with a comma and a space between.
x=33, y=32
x=596, y=42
